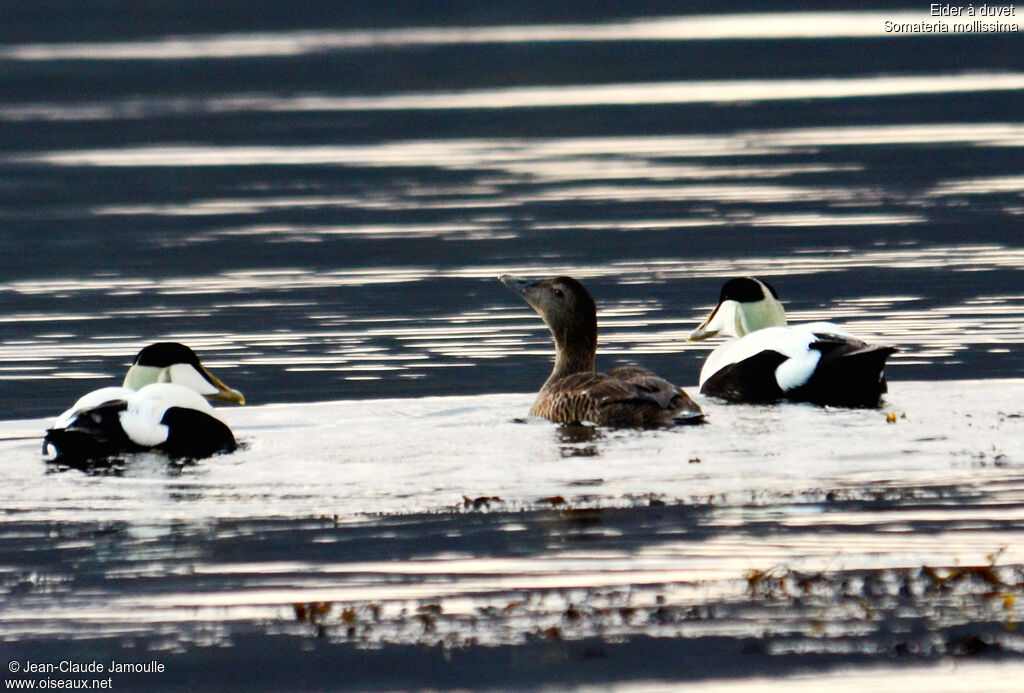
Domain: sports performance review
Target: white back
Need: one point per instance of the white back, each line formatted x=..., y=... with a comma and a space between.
x=792, y=342
x=146, y=408
x=90, y=400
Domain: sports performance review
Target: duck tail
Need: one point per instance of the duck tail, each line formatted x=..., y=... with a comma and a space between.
x=94, y=434
x=851, y=377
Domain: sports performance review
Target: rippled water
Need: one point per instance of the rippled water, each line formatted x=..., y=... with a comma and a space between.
x=391, y=290
x=319, y=200
x=335, y=226
x=791, y=536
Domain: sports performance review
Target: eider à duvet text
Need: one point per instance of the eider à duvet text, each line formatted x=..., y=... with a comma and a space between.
x=628, y=396
x=766, y=360
x=161, y=406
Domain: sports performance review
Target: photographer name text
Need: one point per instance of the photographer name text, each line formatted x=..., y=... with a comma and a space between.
x=67, y=666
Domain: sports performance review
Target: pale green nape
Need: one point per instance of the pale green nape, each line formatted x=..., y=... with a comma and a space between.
x=758, y=315
x=138, y=377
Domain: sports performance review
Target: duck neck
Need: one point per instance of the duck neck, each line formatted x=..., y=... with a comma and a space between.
x=757, y=316
x=140, y=376
x=574, y=352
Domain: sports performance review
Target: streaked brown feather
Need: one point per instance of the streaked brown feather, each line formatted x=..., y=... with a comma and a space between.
x=627, y=396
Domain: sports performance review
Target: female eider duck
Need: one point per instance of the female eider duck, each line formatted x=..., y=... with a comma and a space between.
x=767, y=361
x=161, y=406
x=625, y=396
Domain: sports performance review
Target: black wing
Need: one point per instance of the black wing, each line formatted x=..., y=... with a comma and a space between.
x=95, y=434
x=750, y=380
x=195, y=434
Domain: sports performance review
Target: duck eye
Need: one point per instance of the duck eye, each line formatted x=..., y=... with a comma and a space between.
x=558, y=292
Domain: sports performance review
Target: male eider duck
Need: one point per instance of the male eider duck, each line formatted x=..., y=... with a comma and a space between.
x=626, y=396
x=161, y=406
x=767, y=361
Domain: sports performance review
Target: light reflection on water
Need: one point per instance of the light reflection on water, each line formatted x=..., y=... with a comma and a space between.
x=857, y=506
x=924, y=331
x=696, y=27
x=422, y=349
x=549, y=154
x=703, y=92
x=321, y=229
x=519, y=191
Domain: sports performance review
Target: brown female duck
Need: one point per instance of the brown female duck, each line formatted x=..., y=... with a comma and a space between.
x=625, y=396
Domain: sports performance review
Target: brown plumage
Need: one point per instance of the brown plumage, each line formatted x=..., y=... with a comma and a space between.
x=628, y=396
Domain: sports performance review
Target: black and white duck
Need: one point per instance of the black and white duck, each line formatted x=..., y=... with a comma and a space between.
x=162, y=406
x=766, y=360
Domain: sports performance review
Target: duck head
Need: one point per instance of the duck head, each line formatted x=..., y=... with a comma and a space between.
x=171, y=362
x=569, y=312
x=745, y=305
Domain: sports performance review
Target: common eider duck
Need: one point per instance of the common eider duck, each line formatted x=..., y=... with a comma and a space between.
x=161, y=406
x=628, y=396
x=767, y=360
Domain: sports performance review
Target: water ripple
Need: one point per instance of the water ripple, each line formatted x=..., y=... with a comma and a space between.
x=686, y=28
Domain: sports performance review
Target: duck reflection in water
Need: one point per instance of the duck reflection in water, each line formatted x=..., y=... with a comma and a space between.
x=579, y=440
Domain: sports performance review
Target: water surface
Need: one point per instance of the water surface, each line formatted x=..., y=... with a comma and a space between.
x=319, y=200
x=322, y=209
x=798, y=535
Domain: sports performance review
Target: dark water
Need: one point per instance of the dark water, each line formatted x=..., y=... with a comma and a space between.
x=320, y=199
x=321, y=208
